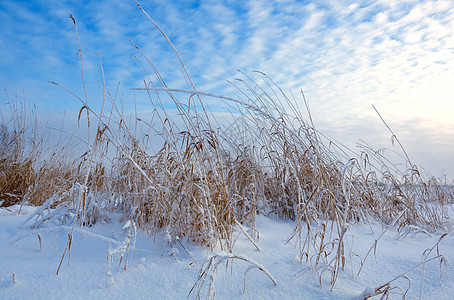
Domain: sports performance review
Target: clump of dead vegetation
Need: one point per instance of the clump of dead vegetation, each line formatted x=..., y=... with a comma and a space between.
x=30, y=172
x=203, y=180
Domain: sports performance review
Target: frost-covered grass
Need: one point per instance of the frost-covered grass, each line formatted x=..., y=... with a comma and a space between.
x=210, y=186
x=163, y=269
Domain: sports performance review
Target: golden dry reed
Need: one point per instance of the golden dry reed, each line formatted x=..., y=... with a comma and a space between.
x=203, y=180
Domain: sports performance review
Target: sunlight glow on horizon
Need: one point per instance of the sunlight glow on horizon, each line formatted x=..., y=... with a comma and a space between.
x=395, y=55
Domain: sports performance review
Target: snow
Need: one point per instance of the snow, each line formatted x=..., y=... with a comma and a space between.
x=160, y=268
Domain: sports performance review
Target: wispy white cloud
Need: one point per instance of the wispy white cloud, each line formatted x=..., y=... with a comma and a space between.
x=346, y=55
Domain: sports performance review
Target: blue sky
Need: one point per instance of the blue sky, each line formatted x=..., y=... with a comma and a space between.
x=346, y=55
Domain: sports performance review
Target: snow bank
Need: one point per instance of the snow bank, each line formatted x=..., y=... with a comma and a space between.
x=159, y=269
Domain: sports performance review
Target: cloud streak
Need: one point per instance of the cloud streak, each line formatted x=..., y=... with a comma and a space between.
x=346, y=55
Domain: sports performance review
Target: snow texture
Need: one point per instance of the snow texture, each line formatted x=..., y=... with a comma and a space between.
x=163, y=267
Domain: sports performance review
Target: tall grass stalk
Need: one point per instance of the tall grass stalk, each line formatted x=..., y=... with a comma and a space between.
x=203, y=181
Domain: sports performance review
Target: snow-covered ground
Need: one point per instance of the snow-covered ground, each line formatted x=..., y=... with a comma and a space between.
x=160, y=271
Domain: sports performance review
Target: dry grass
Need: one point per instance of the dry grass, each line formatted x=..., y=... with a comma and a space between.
x=211, y=265
x=29, y=171
x=203, y=182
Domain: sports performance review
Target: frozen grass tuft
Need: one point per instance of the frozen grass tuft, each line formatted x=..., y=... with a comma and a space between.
x=203, y=180
x=210, y=266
